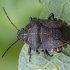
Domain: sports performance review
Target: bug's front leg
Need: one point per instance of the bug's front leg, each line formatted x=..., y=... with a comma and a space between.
x=65, y=53
x=29, y=53
x=46, y=52
x=51, y=16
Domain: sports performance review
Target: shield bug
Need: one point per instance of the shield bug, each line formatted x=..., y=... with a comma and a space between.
x=45, y=34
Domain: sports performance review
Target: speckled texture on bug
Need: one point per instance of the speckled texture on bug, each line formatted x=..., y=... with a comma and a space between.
x=46, y=34
x=43, y=36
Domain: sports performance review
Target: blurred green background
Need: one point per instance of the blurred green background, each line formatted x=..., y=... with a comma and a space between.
x=19, y=12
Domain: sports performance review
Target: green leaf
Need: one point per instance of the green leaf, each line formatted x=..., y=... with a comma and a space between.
x=61, y=9
x=38, y=61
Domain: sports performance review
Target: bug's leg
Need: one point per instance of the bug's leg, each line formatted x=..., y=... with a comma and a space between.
x=51, y=16
x=64, y=52
x=46, y=52
x=61, y=49
x=29, y=53
x=37, y=51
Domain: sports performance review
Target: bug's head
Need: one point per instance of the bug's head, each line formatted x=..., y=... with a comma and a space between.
x=20, y=34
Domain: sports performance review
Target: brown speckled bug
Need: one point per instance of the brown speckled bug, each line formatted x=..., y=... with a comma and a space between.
x=46, y=34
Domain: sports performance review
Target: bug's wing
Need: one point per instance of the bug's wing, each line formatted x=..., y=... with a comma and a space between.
x=32, y=38
x=65, y=32
x=51, y=44
x=50, y=38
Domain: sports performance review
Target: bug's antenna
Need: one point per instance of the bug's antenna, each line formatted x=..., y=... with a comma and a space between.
x=9, y=19
x=9, y=48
